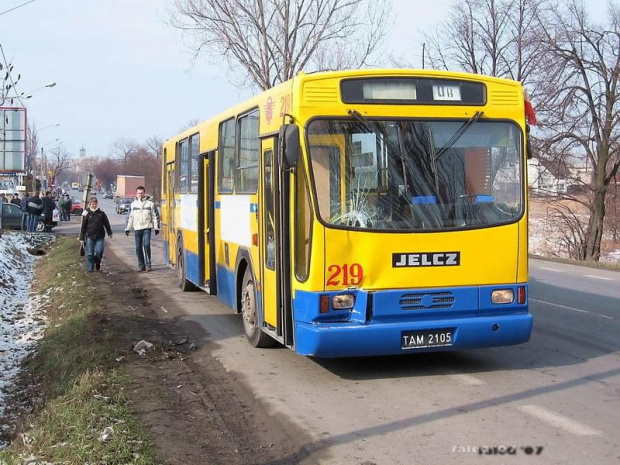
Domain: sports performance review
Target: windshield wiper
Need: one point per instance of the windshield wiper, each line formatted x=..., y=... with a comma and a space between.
x=359, y=117
x=457, y=135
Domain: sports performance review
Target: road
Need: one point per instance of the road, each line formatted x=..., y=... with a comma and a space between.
x=553, y=400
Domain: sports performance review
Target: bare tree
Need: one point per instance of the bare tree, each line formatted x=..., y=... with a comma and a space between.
x=571, y=241
x=581, y=111
x=612, y=211
x=272, y=40
x=144, y=162
x=492, y=37
x=190, y=124
x=154, y=145
x=121, y=148
x=132, y=158
x=32, y=147
x=58, y=160
x=106, y=171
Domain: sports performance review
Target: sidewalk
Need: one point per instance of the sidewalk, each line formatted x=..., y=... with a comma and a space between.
x=120, y=245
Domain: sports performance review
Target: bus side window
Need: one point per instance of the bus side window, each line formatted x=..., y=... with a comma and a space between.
x=247, y=172
x=226, y=175
x=303, y=225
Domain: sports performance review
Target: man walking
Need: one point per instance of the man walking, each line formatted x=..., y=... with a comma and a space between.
x=143, y=217
x=95, y=224
x=68, y=205
x=35, y=207
x=61, y=207
x=48, y=210
x=65, y=207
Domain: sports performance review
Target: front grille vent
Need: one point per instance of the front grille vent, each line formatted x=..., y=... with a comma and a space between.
x=317, y=93
x=427, y=300
x=504, y=97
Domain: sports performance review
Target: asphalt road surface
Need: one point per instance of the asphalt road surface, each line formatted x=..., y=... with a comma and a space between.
x=553, y=400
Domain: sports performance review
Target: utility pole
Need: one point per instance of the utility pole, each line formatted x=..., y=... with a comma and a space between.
x=42, y=168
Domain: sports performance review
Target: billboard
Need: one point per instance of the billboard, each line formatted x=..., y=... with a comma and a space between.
x=12, y=140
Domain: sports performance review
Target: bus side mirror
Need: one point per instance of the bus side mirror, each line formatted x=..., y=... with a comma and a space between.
x=289, y=145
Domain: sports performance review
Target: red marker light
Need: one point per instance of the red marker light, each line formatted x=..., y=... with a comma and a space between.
x=324, y=304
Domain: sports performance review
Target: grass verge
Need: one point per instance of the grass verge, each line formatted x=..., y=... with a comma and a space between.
x=73, y=384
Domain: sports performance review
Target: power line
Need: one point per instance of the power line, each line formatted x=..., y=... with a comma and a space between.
x=16, y=7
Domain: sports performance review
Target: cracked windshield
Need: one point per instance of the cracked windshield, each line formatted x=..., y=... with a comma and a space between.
x=416, y=175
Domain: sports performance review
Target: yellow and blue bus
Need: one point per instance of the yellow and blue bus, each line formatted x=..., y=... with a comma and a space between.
x=359, y=213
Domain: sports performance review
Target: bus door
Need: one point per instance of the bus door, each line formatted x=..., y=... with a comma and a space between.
x=206, y=206
x=274, y=259
x=170, y=196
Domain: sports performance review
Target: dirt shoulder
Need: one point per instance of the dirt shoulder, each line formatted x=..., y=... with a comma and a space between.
x=195, y=410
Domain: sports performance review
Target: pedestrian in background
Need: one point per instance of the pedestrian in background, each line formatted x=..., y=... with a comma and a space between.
x=67, y=207
x=3, y=198
x=15, y=200
x=95, y=224
x=143, y=217
x=48, y=210
x=23, y=205
x=35, y=207
x=61, y=207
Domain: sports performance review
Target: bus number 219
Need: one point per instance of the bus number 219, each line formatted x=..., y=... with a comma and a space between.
x=347, y=275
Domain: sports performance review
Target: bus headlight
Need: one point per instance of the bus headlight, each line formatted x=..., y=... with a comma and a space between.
x=502, y=296
x=343, y=301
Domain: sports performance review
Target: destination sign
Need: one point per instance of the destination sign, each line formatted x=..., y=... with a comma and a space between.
x=398, y=90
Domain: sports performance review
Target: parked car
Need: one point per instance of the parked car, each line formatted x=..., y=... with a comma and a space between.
x=11, y=218
x=123, y=204
x=76, y=207
x=108, y=195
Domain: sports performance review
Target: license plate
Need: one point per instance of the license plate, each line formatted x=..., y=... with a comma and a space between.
x=426, y=338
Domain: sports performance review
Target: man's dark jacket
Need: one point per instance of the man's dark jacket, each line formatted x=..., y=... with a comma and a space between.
x=35, y=205
x=48, y=207
x=94, y=225
x=24, y=203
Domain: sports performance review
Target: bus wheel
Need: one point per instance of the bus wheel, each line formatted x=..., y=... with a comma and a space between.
x=252, y=331
x=184, y=284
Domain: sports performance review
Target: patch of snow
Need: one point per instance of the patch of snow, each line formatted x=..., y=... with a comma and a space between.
x=611, y=257
x=21, y=321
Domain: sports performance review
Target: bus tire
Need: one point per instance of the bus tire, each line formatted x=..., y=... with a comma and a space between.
x=184, y=284
x=253, y=332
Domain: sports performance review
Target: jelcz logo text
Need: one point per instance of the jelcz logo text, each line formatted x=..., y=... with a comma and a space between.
x=403, y=260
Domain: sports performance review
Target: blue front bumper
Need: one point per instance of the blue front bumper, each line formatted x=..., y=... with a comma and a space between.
x=380, y=321
x=356, y=340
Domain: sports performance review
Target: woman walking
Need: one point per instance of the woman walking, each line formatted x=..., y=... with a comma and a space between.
x=95, y=223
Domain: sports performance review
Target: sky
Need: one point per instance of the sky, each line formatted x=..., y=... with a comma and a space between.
x=122, y=72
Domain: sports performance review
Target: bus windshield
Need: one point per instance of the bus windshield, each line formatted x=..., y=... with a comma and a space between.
x=416, y=175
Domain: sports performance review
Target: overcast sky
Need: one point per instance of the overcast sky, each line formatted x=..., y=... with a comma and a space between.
x=122, y=72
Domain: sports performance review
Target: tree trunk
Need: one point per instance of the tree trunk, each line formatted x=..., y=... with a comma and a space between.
x=594, y=234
